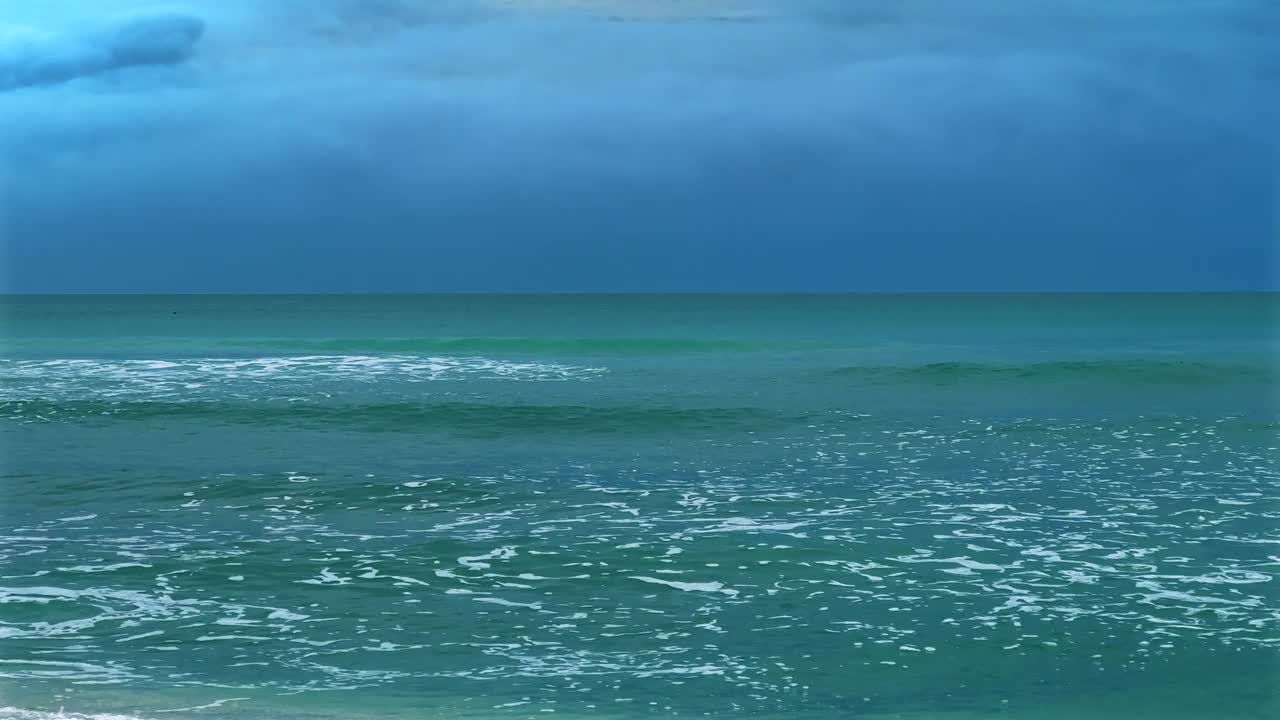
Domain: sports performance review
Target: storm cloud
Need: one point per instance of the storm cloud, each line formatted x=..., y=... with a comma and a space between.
x=612, y=145
x=30, y=58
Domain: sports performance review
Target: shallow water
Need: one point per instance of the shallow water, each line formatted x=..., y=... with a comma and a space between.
x=917, y=507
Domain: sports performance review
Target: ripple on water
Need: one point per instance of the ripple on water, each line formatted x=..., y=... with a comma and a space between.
x=1066, y=547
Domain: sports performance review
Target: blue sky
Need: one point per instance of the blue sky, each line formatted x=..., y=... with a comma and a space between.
x=618, y=145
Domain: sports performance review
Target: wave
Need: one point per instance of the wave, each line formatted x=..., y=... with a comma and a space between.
x=501, y=344
x=453, y=417
x=11, y=713
x=188, y=378
x=1128, y=372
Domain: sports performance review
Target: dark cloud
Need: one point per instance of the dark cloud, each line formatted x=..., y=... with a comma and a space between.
x=398, y=145
x=32, y=59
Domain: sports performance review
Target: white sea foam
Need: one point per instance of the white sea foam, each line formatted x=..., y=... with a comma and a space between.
x=477, y=562
x=509, y=603
x=289, y=377
x=897, y=563
x=12, y=713
x=709, y=587
x=751, y=525
x=83, y=672
x=206, y=706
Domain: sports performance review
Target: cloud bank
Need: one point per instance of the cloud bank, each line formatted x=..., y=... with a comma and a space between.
x=31, y=58
x=594, y=145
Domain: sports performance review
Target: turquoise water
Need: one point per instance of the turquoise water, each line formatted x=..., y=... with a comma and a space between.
x=617, y=507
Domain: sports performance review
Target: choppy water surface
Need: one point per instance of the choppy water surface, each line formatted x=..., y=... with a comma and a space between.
x=617, y=507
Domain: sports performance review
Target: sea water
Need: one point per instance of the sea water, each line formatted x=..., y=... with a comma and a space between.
x=638, y=506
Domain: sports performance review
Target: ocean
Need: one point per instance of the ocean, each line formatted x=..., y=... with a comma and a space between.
x=847, y=506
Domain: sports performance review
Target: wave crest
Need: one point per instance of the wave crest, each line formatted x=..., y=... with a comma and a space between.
x=158, y=379
x=454, y=417
x=1168, y=372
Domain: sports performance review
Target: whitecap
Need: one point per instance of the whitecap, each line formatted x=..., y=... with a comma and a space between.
x=711, y=587
x=477, y=562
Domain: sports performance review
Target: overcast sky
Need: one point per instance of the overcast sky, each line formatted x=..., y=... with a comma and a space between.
x=619, y=145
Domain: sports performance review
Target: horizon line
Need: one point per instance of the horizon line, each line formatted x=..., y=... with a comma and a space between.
x=615, y=293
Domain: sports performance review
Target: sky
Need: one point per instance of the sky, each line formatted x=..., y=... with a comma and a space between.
x=629, y=146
